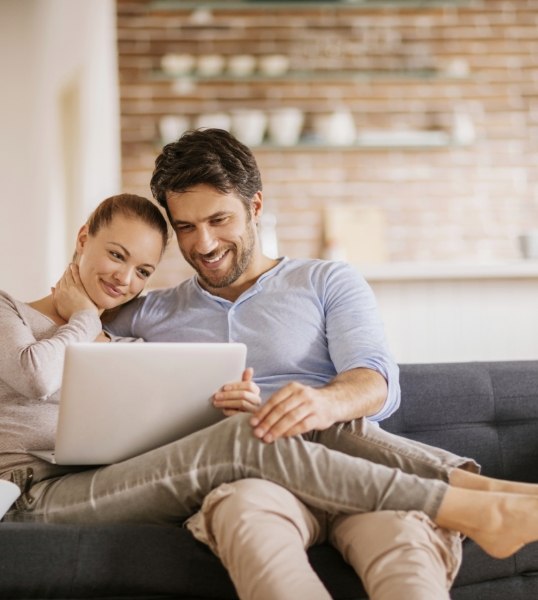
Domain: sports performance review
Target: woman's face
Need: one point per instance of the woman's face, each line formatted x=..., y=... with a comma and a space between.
x=116, y=262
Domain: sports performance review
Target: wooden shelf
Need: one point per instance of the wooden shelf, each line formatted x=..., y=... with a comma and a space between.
x=443, y=140
x=181, y=5
x=319, y=147
x=342, y=75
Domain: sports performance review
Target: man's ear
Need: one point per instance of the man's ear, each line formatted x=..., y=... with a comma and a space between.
x=82, y=238
x=257, y=206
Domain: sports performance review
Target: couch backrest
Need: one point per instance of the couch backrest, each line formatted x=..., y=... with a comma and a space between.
x=485, y=410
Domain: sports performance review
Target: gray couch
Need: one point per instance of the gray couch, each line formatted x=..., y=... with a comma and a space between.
x=488, y=411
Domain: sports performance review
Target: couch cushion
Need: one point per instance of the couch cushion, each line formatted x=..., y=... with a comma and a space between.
x=153, y=561
x=487, y=411
x=70, y=561
x=133, y=561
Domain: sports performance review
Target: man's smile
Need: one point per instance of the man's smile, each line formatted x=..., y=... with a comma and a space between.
x=214, y=261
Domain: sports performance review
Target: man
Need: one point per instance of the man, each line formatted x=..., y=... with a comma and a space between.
x=316, y=345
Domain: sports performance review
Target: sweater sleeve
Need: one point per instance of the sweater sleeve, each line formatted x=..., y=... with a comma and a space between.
x=34, y=367
x=356, y=334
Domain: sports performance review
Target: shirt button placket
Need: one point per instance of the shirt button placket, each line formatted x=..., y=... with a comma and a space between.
x=231, y=314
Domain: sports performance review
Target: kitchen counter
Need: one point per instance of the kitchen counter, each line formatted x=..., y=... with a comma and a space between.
x=445, y=312
x=423, y=271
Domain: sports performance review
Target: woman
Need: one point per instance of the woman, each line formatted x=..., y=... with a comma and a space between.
x=116, y=252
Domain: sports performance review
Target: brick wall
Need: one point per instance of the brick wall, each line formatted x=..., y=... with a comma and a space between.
x=394, y=68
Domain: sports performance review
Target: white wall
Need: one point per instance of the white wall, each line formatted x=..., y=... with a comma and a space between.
x=60, y=137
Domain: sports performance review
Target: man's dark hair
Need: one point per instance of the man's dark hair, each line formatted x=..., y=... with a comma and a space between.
x=206, y=156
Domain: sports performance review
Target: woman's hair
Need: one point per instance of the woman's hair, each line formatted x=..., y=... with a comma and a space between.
x=206, y=156
x=132, y=206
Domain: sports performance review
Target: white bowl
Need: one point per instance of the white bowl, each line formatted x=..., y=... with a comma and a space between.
x=9, y=492
x=274, y=64
x=210, y=65
x=241, y=64
x=177, y=64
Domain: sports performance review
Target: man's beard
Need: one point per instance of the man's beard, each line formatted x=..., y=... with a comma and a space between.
x=241, y=261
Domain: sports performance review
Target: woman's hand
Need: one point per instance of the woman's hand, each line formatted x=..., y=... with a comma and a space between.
x=239, y=396
x=69, y=295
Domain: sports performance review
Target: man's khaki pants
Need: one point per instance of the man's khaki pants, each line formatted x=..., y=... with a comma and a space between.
x=260, y=532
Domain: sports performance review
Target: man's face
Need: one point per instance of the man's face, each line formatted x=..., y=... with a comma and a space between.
x=216, y=235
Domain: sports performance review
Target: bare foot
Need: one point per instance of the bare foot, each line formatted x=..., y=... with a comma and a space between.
x=473, y=481
x=500, y=523
x=513, y=524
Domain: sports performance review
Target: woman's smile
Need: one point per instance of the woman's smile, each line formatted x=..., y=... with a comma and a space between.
x=111, y=289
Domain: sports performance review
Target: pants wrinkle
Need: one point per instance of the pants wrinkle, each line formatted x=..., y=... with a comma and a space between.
x=169, y=483
x=261, y=532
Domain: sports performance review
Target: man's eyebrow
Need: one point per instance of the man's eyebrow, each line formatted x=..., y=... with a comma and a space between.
x=216, y=215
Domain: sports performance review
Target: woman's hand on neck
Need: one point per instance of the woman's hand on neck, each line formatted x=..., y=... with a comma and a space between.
x=66, y=298
x=69, y=295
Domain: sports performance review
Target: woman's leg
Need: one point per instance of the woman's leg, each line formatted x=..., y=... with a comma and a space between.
x=500, y=523
x=169, y=483
x=367, y=440
x=472, y=481
x=260, y=531
x=398, y=555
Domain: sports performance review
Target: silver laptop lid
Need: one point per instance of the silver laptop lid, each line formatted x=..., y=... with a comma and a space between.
x=122, y=399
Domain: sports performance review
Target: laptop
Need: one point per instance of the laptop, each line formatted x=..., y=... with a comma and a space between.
x=122, y=399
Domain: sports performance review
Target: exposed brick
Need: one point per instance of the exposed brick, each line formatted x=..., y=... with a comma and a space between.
x=452, y=203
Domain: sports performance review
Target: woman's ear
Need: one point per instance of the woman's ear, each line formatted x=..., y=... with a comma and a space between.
x=82, y=238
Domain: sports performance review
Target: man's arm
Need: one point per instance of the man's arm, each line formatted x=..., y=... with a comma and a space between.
x=367, y=381
x=297, y=408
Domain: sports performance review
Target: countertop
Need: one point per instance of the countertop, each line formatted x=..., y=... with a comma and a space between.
x=417, y=271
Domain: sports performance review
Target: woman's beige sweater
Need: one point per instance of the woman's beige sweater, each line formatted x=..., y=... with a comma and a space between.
x=32, y=350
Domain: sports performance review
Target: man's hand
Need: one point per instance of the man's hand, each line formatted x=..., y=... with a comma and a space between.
x=298, y=408
x=294, y=409
x=69, y=295
x=239, y=396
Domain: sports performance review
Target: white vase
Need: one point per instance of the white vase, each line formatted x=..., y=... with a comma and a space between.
x=172, y=126
x=249, y=125
x=285, y=126
x=217, y=120
x=336, y=128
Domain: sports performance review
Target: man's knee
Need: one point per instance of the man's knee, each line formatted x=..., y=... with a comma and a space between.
x=256, y=502
x=252, y=505
x=255, y=495
x=406, y=540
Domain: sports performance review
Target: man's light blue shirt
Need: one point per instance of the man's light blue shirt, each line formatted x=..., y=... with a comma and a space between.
x=305, y=320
